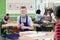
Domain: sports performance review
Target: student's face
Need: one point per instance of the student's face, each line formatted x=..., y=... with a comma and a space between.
x=23, y=11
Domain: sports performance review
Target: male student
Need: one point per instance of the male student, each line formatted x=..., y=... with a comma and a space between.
x=38, y=18
x=24, y=21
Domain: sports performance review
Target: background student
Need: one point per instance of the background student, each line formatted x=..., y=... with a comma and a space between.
x=5, y=19
x=38, y=18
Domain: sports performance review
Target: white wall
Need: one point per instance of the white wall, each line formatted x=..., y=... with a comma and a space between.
x=41, y=6
x=13, y=6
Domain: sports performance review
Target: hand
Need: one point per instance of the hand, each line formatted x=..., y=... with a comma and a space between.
x=22, y=24
x=23, y=27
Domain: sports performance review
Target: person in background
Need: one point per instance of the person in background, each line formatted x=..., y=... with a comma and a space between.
x=50, y=11
x=24, y=21
x=38, y=18
x=57, y=26
x=12, y=35
x=45, y=13
x=53, y=17
x=6, y=18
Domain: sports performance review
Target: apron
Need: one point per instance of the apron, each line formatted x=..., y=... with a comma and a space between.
x=25, y=24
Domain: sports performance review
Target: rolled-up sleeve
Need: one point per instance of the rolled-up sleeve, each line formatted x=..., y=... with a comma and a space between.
x=30, y=21
x=18, y=19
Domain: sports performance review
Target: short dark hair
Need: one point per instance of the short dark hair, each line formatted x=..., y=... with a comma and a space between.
x=38, y=11
x=7, y=14
x=57, y=11
x=23, y=7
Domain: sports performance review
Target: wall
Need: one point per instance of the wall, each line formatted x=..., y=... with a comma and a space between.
x=2, y=8
x=13, y=6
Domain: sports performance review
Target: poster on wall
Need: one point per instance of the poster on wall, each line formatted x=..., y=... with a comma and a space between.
x=13, y=6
